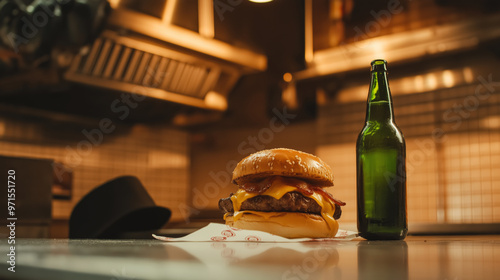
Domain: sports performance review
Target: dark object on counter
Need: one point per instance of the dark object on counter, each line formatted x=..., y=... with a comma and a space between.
x=27, y=197
x=118, y=206
x=381, y=165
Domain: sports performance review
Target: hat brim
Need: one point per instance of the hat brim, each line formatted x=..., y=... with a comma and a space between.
x=143, y=219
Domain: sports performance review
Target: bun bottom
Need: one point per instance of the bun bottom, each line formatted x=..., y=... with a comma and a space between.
x=286, y=224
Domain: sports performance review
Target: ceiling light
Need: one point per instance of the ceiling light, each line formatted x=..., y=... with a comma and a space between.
x=260, y=1
x=287, y=77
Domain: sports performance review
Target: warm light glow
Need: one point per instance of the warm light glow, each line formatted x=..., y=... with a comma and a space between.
x=289, y=96
x=431, y=81
x=404, y=86
x=492, y=122
x=378, y=50
x=468, y=75
x=419, y=83
x=216, y=101
x=287, y=77
x=260, y=1
x=448, y=78
x=114, y=3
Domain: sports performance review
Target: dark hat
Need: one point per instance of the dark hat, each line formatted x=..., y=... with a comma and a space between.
x=118, y=206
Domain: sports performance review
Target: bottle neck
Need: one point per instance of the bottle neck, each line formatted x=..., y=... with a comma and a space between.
x=379, y=106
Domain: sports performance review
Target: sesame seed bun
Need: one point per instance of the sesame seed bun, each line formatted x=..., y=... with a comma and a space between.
x=283, y=162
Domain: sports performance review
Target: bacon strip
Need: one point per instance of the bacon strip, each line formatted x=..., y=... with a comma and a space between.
x=329, y=196
x=258, y=186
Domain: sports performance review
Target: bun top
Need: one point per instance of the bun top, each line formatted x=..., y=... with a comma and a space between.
x=283, y=162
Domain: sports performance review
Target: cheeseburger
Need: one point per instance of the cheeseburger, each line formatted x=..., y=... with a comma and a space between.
x=282, y=191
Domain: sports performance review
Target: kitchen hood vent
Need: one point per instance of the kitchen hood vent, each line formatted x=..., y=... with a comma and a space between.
x=143, y=54
x=109, y=59
x=130, y=65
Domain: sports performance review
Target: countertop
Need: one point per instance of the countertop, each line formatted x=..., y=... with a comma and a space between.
x=418, y=257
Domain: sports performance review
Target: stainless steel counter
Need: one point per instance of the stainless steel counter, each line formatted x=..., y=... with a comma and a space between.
x=418, y=257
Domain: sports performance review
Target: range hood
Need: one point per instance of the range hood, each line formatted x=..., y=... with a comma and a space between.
x=142, y=54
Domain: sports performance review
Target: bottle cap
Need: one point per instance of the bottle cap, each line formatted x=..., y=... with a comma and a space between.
x=379, y=65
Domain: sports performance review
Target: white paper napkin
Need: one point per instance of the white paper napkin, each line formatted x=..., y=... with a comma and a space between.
x=221, y=232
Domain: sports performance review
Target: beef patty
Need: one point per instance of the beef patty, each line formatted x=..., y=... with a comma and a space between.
x=290, y=202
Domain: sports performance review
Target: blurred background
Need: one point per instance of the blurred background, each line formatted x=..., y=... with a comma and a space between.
x=176, y=92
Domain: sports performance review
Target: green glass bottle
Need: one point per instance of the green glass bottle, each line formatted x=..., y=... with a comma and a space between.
x=381, y=165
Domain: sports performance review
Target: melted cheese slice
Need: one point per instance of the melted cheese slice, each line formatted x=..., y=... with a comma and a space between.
x=277, y=190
